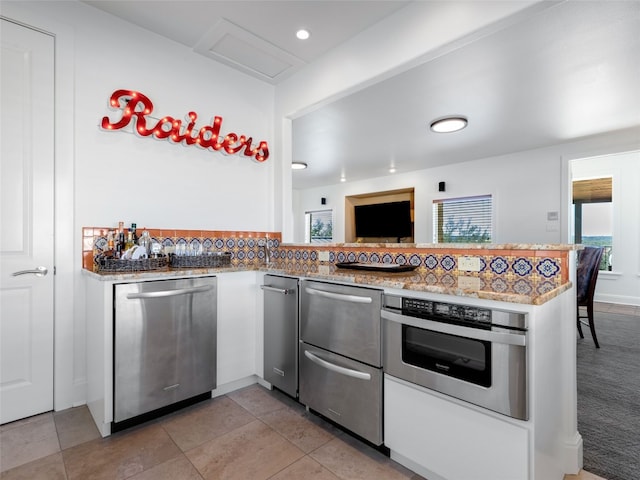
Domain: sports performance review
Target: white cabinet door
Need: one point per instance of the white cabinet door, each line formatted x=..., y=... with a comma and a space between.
x=450, y=440
x=26, y=233
x=237, y=296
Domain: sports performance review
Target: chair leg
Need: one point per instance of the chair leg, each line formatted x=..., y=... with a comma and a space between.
x=579, y=324
x=592, y=325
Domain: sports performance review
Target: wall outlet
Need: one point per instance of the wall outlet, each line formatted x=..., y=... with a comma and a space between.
x=469, y=283
x=469, y=264
x=323, y=255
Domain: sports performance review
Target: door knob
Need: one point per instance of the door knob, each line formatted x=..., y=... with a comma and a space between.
x=38, y=272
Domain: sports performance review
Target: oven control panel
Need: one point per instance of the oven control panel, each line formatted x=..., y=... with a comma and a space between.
x=417, y=307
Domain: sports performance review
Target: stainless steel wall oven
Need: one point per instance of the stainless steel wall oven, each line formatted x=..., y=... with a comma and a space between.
x=474, y=354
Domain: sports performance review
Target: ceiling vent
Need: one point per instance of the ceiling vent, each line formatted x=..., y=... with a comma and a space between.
x=241, y=49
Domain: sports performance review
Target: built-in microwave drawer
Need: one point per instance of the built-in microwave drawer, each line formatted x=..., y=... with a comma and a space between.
x=343, y=390
x=342, y=319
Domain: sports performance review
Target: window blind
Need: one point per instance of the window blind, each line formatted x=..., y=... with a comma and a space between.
x=463, y=220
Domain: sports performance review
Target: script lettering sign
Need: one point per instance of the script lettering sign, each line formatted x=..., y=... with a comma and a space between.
x=137, y=107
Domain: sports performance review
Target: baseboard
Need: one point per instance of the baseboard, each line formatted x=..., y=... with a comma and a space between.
x=573, y=461
x=235, y=385
x=415, y=467
x=617, y=299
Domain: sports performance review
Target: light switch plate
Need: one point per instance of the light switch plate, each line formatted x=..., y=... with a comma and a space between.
x=323, y=256
x=469, y=264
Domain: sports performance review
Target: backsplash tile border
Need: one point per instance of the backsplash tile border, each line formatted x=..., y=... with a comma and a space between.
x=518, y=271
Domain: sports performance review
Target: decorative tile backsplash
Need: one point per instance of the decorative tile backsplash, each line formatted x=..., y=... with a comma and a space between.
x=517, y=270
x=245, y=247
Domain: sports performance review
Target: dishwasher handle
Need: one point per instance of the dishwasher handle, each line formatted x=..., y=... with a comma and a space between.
x=338, y=296
x=284, y=291
x=337, y=368
x=169, y=293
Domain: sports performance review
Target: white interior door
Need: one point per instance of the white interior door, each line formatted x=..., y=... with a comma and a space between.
x=26, y=233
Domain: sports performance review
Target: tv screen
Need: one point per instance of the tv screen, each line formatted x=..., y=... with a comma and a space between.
x=384, y=220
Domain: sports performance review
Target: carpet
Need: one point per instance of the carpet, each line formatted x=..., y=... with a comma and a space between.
x=609, y=397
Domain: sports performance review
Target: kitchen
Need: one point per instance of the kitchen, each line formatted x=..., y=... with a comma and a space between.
x=103, y=176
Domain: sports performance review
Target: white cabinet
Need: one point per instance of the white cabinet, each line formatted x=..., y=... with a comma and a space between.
x=237, y=328
x=441, y=439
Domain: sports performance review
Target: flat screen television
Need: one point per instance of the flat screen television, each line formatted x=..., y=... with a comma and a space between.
x=391, y=219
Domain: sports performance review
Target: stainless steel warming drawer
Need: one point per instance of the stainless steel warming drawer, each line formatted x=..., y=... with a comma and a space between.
x=341, y=356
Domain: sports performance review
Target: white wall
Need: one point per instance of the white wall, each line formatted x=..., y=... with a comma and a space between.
x=104, y=177
x=420, y=31
x=622, y=284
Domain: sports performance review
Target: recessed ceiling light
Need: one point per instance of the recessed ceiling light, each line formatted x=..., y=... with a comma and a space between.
x=448, y=124
x=298, y=165
x=303, y=34
x=392, y=170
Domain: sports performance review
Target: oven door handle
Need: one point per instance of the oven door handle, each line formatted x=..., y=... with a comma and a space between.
x=473, y=333
x=337, y=368
x=338, y=296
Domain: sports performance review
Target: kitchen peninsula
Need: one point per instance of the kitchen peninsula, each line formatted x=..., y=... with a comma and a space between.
x=425, y=430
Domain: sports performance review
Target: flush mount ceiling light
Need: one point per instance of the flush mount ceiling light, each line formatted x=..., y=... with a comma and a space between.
x=448, y=124
x=303, y=34
x=298, y=165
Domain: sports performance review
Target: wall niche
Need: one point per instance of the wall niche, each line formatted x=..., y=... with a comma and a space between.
x=374, y=198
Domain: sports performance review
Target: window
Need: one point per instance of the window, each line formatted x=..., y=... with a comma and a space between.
x=593, y=215
x=462, y=220
x=319, y=227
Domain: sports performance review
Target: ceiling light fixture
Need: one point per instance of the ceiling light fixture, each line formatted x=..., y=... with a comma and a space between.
x=448, y=124
x=392, y=170
x=298, y=165
x=303, y=34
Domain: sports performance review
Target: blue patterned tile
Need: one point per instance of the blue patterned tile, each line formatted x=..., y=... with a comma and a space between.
x=522, y=287
x=351, y=257
x=547, y=268
x=251, y=243
x=386, y=258
x=219, y=243
x=374, y=258
x=522, y=266
x=545, y=287
x=431, y=262
x=499, y=285
x=241, y=243
x=230, y=243
x=499, y=265
x=241, y=254
x=341, y=257
x=332, y=257
x=363, y=258
x=415, y=260
x=401, y=259
x=314, y=256
x=305, y=255
x=448, y=263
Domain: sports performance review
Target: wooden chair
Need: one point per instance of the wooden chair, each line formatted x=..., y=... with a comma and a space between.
x=586, y=277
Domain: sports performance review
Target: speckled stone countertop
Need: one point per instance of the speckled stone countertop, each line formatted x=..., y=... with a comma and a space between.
x=446, y=246
x=420, y=279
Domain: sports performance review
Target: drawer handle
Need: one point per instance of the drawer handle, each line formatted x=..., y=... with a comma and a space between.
x=169, y=293
x=283, y=291
x=339, y=296
x=337, y=368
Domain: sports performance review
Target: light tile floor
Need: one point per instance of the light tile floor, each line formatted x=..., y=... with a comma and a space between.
x=251, y=433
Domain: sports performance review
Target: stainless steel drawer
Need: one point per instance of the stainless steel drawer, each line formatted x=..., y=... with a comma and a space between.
x=343, y=390
x=342, y=319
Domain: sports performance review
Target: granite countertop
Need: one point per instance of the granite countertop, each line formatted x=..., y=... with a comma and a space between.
x=447, y=246
x=420, y=279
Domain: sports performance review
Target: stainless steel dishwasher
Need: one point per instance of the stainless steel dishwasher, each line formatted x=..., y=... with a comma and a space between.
x=164, y=347
x=281, y=333
x=341, y=355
